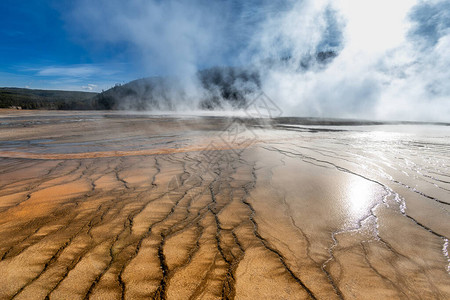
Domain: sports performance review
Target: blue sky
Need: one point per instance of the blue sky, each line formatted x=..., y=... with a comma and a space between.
x=39, y=50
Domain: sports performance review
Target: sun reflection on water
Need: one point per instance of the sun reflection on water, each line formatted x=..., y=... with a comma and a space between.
x=361, y=196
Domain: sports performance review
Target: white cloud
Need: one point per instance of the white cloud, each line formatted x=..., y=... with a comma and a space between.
x=72, y=71
x=89, y=87
x=75, y=71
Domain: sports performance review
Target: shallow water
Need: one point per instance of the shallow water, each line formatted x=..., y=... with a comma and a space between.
x=111, y=206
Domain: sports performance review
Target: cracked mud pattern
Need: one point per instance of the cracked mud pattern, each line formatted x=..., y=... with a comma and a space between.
x=110, y=206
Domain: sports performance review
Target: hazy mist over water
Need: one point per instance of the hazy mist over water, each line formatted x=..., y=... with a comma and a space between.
x=383, y=59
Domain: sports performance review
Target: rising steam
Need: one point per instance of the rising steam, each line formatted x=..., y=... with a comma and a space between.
x=363, y=59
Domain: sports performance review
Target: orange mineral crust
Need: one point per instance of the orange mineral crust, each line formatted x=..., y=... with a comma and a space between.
x=104, y=205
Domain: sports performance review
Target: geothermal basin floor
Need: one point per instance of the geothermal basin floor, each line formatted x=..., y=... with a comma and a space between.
x=106, y=205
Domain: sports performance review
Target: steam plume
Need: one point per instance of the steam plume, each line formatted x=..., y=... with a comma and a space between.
x=364, y=59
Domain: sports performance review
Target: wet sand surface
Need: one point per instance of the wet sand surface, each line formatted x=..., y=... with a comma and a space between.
x=111, y=206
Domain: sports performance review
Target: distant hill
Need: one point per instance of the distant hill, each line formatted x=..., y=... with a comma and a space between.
x=46, y=99
x=219, y=87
